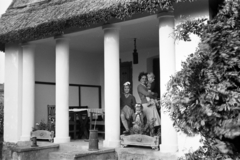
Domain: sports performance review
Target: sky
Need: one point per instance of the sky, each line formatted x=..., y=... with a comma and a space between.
x=3, y=6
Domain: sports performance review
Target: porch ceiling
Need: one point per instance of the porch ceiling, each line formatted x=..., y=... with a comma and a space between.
x=91, y=41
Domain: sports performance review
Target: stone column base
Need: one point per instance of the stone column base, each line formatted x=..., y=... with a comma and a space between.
x=61, y=139
x=168, y=148
x=111, y=144
x=25, y=138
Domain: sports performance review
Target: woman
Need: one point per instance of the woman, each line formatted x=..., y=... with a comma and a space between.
x=149, y=110
x=127, y=104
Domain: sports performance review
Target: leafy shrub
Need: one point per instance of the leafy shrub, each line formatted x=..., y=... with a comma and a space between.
x=204, y=97
x=41, y=126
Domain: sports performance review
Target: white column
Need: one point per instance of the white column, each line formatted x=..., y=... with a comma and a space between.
x=111, y=86
x=2, y=63
x=62, y=90
x=28, y=91
x=13, y=93
x=167, y=68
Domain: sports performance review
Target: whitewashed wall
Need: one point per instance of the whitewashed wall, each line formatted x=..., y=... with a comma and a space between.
x=191, y=10
x=142, y=65
x=84, y=69
x=194, y=10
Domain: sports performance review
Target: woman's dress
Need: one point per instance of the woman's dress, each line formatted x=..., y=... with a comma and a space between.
x=149, y=110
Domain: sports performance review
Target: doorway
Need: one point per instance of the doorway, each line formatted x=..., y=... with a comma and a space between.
x=125, y=74
x=156, y=72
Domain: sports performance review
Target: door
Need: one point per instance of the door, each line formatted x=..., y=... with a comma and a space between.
x=156, y=72
x=125, y=74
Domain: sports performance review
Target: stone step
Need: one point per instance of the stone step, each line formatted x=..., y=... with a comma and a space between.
x=143, y=153
x=102, y=154
x=78, y=150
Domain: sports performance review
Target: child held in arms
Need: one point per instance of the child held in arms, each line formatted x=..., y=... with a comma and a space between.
x=151, y=86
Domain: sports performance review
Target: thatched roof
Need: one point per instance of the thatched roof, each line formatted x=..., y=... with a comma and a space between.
x=27, y=20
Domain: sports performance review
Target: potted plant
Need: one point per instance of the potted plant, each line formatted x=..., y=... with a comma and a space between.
x=42, y=131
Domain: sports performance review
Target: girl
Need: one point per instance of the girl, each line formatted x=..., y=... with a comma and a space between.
x=127, y=104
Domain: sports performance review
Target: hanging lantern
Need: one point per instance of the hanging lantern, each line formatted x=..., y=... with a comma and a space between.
x=135, y=53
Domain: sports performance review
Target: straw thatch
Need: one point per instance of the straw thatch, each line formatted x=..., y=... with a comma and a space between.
x=27, y=20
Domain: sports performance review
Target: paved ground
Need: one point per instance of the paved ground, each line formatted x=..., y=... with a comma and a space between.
x=80, y=148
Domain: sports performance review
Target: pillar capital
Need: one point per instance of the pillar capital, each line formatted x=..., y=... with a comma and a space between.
x=61, y=37
x=169, y=14
x=111, y=26
x=28, y=45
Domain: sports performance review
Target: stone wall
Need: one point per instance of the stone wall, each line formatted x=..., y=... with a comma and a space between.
x=12, y=151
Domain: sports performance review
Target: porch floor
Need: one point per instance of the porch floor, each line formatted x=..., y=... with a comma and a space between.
x=78, y=150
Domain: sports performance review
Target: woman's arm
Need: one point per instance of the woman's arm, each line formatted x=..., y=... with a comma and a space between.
x=133, y=102
x=143, y=90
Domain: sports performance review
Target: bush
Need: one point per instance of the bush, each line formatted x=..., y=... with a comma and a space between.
x=204, y=97
x=42, y=126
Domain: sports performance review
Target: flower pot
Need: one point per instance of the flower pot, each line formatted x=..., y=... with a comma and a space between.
x=43, y=134
x=93, y=140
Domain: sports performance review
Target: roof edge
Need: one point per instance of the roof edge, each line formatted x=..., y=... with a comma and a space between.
x=59, y=26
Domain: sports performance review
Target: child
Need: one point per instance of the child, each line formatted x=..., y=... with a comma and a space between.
x=139, y=120
x=150, y=86
x=127, y=104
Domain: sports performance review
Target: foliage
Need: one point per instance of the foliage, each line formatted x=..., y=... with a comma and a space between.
x=41, y=126
x=204, y=97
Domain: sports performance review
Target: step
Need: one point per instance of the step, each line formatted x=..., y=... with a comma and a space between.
x=78, y=150
x=143, y=153
x=83, y=154
x=102, y=154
